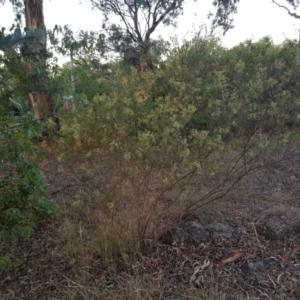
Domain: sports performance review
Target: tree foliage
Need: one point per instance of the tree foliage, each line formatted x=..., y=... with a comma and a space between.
x=225, y=9
x=139, y=20
x=223, y=17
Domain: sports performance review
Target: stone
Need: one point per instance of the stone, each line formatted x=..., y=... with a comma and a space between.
x=198, y=230
x=191, y=233
x=271, y=230
x=217, y=227
x=257, y=265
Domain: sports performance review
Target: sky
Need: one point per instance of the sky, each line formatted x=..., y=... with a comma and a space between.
x=254, y=20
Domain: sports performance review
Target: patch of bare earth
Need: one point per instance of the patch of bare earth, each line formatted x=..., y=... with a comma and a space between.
x=269, y=267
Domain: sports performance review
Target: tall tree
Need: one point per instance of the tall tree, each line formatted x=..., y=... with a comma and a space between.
x=139, y=20
x=34, y=52
x=32, y=56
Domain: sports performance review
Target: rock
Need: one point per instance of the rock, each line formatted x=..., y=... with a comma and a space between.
x=196, y=231
x=256, y=265
x=271, y=230
x=212, y=224
x=191, y=233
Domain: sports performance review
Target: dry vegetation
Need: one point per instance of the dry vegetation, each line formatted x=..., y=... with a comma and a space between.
x=144, y=152
x=91, y=254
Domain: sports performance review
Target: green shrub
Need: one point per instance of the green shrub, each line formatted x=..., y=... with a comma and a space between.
x=182, y=136
x=150, y=156
x=24, y=196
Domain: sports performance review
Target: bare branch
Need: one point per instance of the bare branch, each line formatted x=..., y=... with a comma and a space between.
x=136, y=23
x=161, y=18
x=294, y=15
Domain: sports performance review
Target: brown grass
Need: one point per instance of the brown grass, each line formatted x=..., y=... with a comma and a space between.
x=95, y=252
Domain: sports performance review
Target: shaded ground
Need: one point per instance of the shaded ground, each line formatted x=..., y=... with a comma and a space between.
x=269, y=268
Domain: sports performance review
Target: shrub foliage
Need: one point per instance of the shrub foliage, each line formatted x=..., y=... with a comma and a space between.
x=183, y=135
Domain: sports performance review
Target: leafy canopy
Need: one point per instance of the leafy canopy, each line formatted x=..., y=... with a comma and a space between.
x=139, y=19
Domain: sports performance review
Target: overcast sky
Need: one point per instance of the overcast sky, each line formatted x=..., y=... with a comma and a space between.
x=254, y=20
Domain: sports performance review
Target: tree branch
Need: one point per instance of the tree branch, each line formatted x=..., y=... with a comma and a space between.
x=294, y=15
x=161, y=18
x=136, y=23
x=130, y=29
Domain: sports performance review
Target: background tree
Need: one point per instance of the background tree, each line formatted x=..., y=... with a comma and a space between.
x=87, y=46
x=139, y=20
x=223, y=17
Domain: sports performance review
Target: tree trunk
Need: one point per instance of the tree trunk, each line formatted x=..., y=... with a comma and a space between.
x=40, y=104
x=34, y=52
x=34, y=15
x=146, y=63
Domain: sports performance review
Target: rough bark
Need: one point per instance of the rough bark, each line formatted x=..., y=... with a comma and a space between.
x=34, y=53
x=41, y=105
x=34, y=15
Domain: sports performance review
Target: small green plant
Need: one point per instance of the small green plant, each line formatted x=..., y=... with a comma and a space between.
x=5, y=263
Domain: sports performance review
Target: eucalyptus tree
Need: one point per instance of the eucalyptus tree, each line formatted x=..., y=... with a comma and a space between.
x=35, y=52
x=28, y=50
x=139, y=20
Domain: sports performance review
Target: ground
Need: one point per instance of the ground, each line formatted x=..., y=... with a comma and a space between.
x=47, y=266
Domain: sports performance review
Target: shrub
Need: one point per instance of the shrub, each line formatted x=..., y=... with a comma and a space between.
x=23, y=192
x=158, y=171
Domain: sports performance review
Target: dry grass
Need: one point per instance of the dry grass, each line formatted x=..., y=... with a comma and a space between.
x=95, y=250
